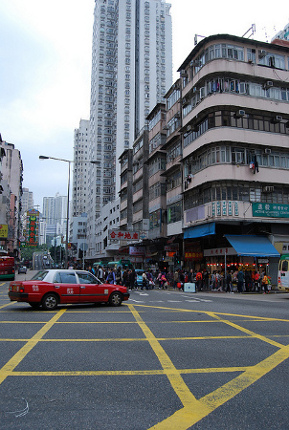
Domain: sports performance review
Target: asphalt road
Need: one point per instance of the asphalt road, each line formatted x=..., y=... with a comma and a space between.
x=163, y=360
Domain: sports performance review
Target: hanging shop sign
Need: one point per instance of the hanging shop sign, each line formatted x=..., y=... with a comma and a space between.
x=270, y=210
x=171, y=248
x=124, y=235
x=32, y=231
x=193, y=255
x=219, y=251
x=263, y=261
x=136, y=250
x=3, y=231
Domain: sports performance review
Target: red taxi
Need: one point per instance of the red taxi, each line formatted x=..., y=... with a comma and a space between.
x=48, y=288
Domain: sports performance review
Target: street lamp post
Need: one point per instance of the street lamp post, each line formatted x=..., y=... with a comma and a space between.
x=44, y=157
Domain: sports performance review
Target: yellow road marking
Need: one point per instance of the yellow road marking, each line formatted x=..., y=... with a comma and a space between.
x=207, y=312
x=154, y=372
x=4, y=306
x=186, y=417
x=194, y=410
x=186, y=397
x=8, y=368
x=132, y=339
x=249, y=332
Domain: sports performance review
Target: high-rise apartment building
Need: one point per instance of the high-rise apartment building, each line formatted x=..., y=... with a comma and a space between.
x=11, y=173
x=27, y=200
x=54, y=214
x=131, y=72
x=283, y=34
x=80, y=168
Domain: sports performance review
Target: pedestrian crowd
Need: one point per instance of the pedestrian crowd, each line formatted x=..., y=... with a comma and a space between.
x=233, y=280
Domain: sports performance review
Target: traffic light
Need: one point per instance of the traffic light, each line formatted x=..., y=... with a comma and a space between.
x=177, y=259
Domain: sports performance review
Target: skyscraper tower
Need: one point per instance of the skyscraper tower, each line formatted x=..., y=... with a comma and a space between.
x=131, y=72
x=80, y=168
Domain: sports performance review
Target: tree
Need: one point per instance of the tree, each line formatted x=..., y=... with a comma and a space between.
x=27, y=252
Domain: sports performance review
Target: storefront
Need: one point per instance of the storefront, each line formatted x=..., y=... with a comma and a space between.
x=251, y=252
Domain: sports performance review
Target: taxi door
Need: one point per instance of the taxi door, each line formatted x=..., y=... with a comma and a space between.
x=65, y=284
x=90, y=290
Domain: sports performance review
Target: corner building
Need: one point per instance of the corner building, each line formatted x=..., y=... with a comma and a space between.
x=235, y=134
x=131, y=71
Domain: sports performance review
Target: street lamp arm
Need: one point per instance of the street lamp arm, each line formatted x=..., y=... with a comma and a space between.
x=44, y=157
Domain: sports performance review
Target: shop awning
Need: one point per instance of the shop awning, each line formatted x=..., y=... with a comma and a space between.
x=200, y=231
x=251, y=245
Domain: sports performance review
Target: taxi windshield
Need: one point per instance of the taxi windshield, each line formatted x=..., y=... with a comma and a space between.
x=40, y=275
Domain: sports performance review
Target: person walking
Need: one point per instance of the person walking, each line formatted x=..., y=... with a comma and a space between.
x=229, y=282
x=100, y=274
x=132, y=279
x=240, y=278
x=110, y=277
x=176, y=280
x=199, y=279
x=265, y=282
x=144, y=281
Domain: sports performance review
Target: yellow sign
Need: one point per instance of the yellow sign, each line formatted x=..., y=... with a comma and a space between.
x=4, y=231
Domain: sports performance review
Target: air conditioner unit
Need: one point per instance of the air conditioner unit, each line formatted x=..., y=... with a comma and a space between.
x=240, y=113
x=189, y=127
x=276, y=119
x=184, y=74
x=267, y=150
x=269, y=84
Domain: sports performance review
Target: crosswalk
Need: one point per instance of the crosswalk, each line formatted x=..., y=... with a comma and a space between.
x=146, y=297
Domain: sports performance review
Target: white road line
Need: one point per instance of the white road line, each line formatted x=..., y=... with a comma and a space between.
x=204, y=300
x=136, y=301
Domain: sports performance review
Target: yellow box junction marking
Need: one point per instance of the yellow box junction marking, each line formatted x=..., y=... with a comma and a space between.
x=193, y=410
x=8, y=368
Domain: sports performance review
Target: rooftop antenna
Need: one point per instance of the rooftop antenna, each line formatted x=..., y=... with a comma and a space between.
x=252, y=29
x=196, y=38
x=266, y=35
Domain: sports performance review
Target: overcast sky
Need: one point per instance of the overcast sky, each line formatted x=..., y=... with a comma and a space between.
x=45, y=55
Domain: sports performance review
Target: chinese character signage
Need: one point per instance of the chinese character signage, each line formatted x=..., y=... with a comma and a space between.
x=123, y=235
x=137, y=250
x=219, y=251
x=33, y=217
x=270, y=210
x=193, y=255
x=3, y=231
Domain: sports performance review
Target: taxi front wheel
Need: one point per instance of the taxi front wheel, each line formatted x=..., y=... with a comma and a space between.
x=115, y=299
x=49, y=302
